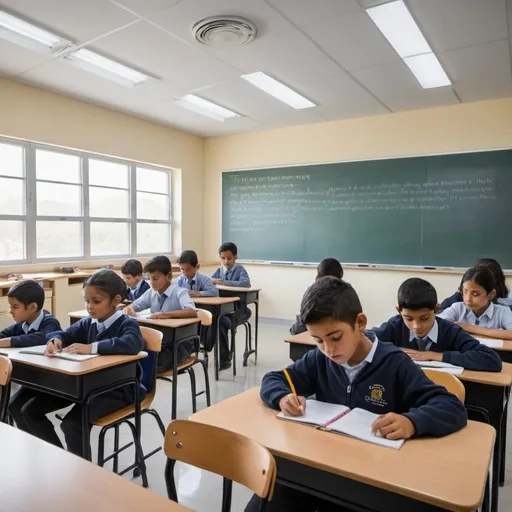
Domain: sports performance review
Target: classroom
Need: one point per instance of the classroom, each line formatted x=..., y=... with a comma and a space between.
x=198, y=194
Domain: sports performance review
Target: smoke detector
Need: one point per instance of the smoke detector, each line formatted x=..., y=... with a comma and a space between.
x=221, y=31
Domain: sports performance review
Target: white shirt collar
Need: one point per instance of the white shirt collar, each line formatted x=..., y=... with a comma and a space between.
x=139, y=284
x=489, y=312
x=34, y=325
x=110, y=320
x=231, y=269
x=432, y=334
x=369, y=357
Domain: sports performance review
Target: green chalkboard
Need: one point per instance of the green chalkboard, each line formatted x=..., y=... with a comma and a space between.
x=443, y=210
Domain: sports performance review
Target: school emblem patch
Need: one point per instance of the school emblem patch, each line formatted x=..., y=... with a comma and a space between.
x=376, y=396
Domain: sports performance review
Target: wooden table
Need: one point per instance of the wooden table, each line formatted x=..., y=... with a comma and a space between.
x=76, y=381
x=220, y=307
x=247, y=296
x=487, y=395
x=448, y=473
x=39, y=476
x=175, y=332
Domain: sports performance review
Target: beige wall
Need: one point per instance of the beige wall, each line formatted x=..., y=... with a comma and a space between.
x=474, y=126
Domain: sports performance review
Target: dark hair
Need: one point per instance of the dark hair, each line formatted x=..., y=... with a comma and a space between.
x=329, y=267
x=28, y=292
x=482, y=277
x=497, y=272
x=189, y=257
x=158, y=264
x=132, y=268
x=229, y=246
x=108, y=281
x=416, y=293
x=330, y=298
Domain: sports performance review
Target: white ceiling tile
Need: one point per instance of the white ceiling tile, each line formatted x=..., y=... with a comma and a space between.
x=397, y=88
x=145, y=7
x=77, y=20
x=180, y=18
x=158, y=53
x=456, y=23
x=15, y=59
x=480, y=72
x=307, y=12
x=354, y=41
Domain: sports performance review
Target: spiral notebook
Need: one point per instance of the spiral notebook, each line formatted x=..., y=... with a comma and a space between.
x=342, y=420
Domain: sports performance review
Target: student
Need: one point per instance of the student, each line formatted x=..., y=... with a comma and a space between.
x=165, y=300
x=32, y=323
x=329, y=267
x=132, y=275
x=104, y=331
x=198, y=285
x=230, y=274
x=427, y=338
x=502, y=293
x=345, y=368
x=477, y=314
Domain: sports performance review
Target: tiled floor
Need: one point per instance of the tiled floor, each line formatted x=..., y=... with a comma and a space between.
x=200, y=490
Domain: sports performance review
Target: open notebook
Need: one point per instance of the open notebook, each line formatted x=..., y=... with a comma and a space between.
x=439, y=366
x=143, y=315
x=491, y=343
x=340, y=419
x=39, y=350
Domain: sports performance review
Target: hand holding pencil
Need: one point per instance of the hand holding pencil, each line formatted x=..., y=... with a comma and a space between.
x=291, y=404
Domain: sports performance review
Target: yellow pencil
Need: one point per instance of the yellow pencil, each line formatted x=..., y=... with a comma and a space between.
x=290, y=383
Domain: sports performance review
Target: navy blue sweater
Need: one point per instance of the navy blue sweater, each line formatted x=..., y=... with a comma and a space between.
x=131, y=295
x=390, y=383
x=458, y=346
x=19, y=339
x=452, y=299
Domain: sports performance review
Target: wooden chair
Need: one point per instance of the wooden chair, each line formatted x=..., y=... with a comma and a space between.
x=233, y=456
x=188, y=366
x=153, y=345
x=5, y=386
x=448, y=381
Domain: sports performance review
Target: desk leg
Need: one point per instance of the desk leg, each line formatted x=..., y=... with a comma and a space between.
x=86, y=434
x=233, y=342
x=504, y=439
x=216, y=347
x=249, y=350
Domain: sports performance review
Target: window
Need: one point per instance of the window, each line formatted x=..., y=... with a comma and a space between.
x=69, y=205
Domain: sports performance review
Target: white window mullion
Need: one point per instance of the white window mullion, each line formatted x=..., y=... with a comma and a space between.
x=86, y=226
x=31, y=203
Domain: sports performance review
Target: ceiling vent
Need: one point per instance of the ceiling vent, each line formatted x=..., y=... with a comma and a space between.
x=222, y=31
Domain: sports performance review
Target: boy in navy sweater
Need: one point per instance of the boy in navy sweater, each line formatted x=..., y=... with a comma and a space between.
x=132, y=275
x=423, y=337
x=352, y=367
x=105, y=331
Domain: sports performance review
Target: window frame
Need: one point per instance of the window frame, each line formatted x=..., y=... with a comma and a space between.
x=31, y=218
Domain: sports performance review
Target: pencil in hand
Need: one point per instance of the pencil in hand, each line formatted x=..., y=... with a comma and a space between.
x=292, y=388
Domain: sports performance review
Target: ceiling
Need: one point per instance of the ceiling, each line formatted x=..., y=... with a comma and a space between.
x=327, y=50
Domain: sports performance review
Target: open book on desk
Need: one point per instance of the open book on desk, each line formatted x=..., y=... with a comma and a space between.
x=39, y=351
x=491, y=343
x=439, y=366
x=340, y=419
x=143, y=315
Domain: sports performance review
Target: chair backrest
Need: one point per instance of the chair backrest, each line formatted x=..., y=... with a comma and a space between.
x=205, y=317
x=152, y=345
x=448, y=381
x=5, y=388
x=225, y=453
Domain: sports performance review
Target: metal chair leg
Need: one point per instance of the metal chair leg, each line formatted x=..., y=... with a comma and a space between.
x=139, y=454
x=204, y=364
x=169, y=480
x=101, y=446
x=192, y=376
x=227, y=490
x=115, y=466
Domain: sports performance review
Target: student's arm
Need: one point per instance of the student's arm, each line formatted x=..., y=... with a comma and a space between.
x=386, y=332
x=298, y=326
x=75, y=333
x=39, y=337
x=209, y=289
x=484, y=331
x=433, y=410
x=452, y=313
x=188, y=308
x=243, y=279
x=5, y=336
x=216, y=274
x=128, y=341
x=140, y=304
x=304, y=377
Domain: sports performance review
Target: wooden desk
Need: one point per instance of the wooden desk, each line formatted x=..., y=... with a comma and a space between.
x=424, y=475
x=175, y=331
x=220, y=307
x=76, y=381
x=39, y=476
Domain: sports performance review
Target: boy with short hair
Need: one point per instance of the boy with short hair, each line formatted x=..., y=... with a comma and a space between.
x=132, y=275
x=346, y=366
x=165, y=300
x=198, y=285
x=425, y=337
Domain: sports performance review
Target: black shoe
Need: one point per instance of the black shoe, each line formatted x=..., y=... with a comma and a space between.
x=225, y=365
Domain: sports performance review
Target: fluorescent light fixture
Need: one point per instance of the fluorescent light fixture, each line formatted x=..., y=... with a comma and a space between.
x=278, y=90
x=205, y=107
x=397, y=25
x=107, y=68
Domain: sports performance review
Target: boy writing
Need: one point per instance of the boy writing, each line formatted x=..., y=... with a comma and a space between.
x=423, y=337
x=198, y=285
x=347, y=365
x=132, y=275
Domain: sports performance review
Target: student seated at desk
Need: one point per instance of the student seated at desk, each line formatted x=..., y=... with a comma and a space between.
x=477, y=314
x=198, y=285
x=32, y=323
x=132, y=275
x=165, y=300
x=329, y=267
x=346, y=366
x=424, y=337
x=105, y=331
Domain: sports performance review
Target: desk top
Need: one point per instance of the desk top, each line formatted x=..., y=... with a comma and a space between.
x=74, y=368
x=214, y=301
x=442, y=472
x=240, y=289
x=171, y=323
x=63, y=482
x=500, y=379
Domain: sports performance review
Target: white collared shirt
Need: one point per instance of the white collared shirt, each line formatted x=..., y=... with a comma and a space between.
x=104, y=326
x=431, y=336
x=34, y=325
x=494, y=317
x=352, y=371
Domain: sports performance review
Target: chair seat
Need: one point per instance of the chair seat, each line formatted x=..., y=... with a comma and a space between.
x=190, y=361
x=123, y=413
